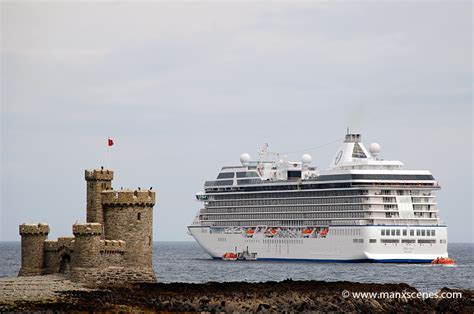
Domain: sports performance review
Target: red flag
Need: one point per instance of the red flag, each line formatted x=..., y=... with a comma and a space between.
x=110, y=142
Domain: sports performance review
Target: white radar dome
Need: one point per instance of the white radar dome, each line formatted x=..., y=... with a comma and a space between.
x=306, y=158
x=245, y=159
x=374, y=149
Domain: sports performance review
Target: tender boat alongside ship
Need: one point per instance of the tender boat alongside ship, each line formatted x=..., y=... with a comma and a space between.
x=362, y=208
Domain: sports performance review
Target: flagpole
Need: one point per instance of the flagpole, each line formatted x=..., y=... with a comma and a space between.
x=108, y=153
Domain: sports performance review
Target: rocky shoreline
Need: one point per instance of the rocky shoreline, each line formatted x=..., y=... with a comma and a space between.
x=53, y=293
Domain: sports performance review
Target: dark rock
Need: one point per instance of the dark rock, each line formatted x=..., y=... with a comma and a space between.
x=285, y=296
x=263, y=306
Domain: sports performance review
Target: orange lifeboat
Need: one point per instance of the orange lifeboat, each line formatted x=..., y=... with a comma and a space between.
x=229, y=256
x=324, y=232
x=307, y=232
x=249, y=232
x=442, y=261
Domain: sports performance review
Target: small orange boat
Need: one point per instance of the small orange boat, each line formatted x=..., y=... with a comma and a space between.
x=307, y=232
x=442, y=261
x=229, y=256
x=250, y=232
x=324, y=232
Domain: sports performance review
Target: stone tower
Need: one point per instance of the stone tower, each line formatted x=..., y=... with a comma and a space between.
x=32, y=248
x=87, y=244
x=129, y=215
x=97, y=181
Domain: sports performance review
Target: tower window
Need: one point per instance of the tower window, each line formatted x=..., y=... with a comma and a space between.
x=139, y=216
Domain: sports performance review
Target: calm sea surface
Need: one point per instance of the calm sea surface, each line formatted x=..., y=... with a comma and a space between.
x=187, y=262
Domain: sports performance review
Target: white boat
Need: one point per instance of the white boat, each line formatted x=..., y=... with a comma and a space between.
x=362, y=208
x=246, y=255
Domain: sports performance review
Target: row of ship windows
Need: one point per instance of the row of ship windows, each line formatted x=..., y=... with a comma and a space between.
x=422, y=207
x=417, y=214
x=291, y=194
x=276, y=241
x=291, y=210
x=242, y=174
x=421, y=241
x=322, y=194
x=300, y=241
x=231, y=182
x=403, y=192
x=276, y=223
x=285, y=216
x=283, y=241
x=321, y=186
x=212, y=208
x=400, y=177
x=419, y=232
x=415, y=207
x=394, y=184
x=289, y=201
x=345, y=232
x=286, y=208
x=413, y=199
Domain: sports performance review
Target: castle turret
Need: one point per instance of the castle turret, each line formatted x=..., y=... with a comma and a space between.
x=98, y=180
x=128, y=215
x=32, y=248
x=87, y=245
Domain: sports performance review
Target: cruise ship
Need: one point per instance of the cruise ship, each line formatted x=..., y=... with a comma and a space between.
x=361, y=209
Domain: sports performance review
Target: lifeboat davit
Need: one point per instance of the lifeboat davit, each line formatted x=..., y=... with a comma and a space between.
x=442, y=261
x=229, y=256
x=271, y=232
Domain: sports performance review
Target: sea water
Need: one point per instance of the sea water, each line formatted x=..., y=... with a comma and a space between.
x=187, y=262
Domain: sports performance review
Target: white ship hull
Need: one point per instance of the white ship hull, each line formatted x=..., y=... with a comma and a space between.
x=342, y=244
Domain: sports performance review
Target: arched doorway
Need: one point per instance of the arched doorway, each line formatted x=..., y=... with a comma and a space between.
x=64, y=264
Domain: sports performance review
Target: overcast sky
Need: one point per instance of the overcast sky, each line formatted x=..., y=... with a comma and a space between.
x=185, y=88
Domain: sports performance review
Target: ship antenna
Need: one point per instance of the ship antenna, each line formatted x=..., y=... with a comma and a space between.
x=263, y=152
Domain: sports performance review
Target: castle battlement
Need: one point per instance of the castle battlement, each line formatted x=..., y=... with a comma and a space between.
x=128, y=197
x=51, y=246
x=91, y=228
x=66, y=241
x=99, y=174
x=59, y=244
x=39, y=229
x=113, y=246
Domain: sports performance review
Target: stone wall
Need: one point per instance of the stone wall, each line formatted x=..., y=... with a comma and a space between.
x=111, y=253
x=58, y=255
x=111, y=276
